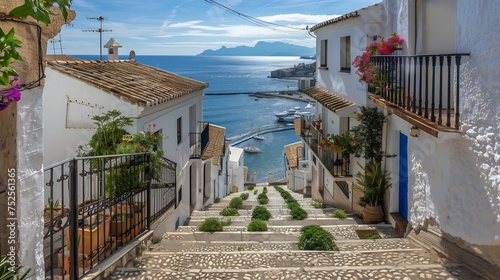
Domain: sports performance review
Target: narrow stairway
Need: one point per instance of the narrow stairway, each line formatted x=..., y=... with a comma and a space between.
x=235, y=253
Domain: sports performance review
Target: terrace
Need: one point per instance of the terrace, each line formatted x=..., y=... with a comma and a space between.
x=96, y=205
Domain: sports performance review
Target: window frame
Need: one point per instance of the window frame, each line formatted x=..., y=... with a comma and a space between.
x=345, y=54
x=179, y=130
x=324, y=54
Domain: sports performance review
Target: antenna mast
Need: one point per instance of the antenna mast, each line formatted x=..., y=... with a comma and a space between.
x=100, y=30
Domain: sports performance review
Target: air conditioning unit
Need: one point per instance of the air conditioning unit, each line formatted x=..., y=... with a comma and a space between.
x=304, y=165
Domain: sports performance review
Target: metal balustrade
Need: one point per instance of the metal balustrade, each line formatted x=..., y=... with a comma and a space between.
x=95, y=205
x=427, y=85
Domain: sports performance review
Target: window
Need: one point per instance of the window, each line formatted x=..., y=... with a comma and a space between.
x=324, y=53
x=110, y=51
x=179, y=130
x=345, y=53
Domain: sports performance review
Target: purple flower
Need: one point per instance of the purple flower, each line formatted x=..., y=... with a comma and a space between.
x=15, y=94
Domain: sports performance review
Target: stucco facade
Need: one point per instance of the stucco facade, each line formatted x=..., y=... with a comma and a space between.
x=454, y=178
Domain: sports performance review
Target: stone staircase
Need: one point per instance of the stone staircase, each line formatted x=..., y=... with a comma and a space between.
x=237, y=254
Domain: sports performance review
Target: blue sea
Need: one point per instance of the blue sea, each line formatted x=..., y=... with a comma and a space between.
x=240, y=113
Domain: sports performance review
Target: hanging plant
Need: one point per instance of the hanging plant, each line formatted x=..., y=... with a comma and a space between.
x=366, y=69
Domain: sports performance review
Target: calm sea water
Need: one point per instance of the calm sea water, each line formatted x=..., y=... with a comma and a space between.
x=240, y=113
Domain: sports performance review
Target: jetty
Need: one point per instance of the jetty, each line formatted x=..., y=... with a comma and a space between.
x=250, y=135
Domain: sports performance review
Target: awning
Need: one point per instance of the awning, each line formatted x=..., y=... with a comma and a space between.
x=340, y=106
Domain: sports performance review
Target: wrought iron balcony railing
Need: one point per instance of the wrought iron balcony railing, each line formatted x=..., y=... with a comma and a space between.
x=199, y=141
x=427, y=85
x=95, y=205
x=336, y=164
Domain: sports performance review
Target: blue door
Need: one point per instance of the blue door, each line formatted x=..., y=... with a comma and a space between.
x=403, y=175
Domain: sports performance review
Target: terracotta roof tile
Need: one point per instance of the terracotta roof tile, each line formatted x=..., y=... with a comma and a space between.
x=328, y=99
x=131, y=80
x=340, y=18
x=216, y=144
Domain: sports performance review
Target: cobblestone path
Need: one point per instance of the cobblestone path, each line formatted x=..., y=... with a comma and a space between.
x=236, y=254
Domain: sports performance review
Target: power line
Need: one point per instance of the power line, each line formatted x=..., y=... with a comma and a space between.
x=254, y=20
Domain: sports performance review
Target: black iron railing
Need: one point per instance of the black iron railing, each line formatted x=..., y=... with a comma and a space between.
x=336, y=164
x=427, y=85
x=95, y=205
x=198, y=141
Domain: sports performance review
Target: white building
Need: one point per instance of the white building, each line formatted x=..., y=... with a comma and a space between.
x=442, y=121
x=172, y=105
x=236, y=169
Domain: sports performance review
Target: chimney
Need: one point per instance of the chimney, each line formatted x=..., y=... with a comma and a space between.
x=112, y=45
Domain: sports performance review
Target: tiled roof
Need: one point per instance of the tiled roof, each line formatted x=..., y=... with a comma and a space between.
x=215, y=145
x=328, y=99
x=129, y=79
x=291, y=154
x=340, y=18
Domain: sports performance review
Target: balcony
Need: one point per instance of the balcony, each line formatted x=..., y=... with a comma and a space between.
x=422, y=89
x=198, y=141
x=337, y=165
x=96, y=205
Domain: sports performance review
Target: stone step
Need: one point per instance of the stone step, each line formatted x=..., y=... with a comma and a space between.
x=188, y=242
x=339, y=232
x=281, y=221
x=435, y=271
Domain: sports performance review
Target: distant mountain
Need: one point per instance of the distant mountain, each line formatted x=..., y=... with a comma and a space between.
x=264, y=49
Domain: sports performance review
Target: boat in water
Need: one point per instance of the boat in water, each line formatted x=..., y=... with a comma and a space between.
x=251, y=150
x=289, y=112
x=259, y=137
x=309, y=106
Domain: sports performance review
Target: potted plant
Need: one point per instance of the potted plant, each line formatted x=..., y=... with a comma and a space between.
x=373, y=181
x=53, y=213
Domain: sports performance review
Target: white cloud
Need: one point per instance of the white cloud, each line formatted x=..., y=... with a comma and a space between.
x=192, y=23
x=297, y=18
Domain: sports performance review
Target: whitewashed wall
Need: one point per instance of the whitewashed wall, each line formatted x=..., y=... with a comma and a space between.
x=30, y=185
x=456, y=181
x=361, y=30
x=60, y=142
x=236, y=163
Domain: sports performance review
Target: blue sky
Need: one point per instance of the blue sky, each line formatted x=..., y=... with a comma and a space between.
x=187, y=27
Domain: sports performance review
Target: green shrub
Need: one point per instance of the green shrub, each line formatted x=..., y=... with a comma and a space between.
x=318, y=205
x=374, y=236
x=251, y=187
x=226, y=223
x=255, y=191
x=339, y=214
x=211, y=225
x=298, y=213
x=156, y=239
x=263, y=201
x=244, y=196
x=229, y=212
x=262, y=195
x=236, y=203
x=314, y=237
x=264, y=190
x=257, y=225
x=260, y=213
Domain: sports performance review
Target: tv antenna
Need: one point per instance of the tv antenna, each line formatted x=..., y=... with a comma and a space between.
x=100, y=30
x=54, y=41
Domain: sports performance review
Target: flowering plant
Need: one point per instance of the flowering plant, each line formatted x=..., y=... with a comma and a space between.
x=344, y=143
x=12, y=94
x=366, y=69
